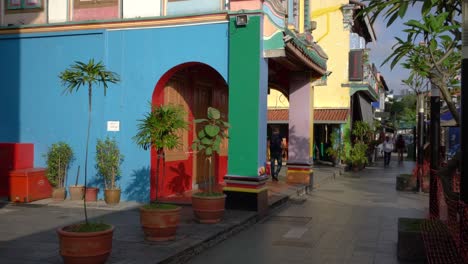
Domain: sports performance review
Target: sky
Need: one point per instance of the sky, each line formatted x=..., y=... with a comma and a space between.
x=383, y=48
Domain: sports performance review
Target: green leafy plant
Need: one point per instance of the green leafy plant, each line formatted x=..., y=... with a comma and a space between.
x=209, y=139
x=362, y=131
x=108, y=160
x=87, y=74
x=357, y=155
x=160, y=129
x=58, y=158
x=336, y=148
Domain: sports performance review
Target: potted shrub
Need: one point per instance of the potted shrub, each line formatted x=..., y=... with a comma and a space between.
x=76, y=191
x=335, y=150
x=108, y=160
x=160, y=130
x=358, y=156
x=86, y=242
x=58, y=158
x=208, y=206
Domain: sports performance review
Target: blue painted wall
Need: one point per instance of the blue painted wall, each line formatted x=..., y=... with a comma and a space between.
x=33, y=108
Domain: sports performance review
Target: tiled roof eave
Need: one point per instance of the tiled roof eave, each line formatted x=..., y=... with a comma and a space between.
x=313, y=56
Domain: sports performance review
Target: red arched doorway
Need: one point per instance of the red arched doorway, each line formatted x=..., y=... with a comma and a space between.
x=195, y=87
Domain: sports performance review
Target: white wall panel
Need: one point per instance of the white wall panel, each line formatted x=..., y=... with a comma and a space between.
x=141, y=8
x=57, y=11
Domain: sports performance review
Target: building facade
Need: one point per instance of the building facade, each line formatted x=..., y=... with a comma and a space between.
x=190, y=53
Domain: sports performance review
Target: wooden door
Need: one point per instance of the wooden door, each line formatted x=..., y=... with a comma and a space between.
x=203, y=95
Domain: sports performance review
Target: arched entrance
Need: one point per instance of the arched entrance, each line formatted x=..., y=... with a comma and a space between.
x=195, y=87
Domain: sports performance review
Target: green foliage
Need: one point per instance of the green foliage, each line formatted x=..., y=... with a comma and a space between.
x=88, y=227
x=357, y=155
x=159, y=206
x=362, y=131
x=336, y=149
x=108, y=160
x=58, y=158
x=209, y=138
x=404, y=111
x=87, y=74
x=208, y=194
x=439, y=58
x=160, y=128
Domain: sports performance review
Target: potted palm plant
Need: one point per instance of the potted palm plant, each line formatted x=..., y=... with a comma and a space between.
x=58, y=157
x=160, y=130
x=94, y=240
x=208, y=205
x=108, y=160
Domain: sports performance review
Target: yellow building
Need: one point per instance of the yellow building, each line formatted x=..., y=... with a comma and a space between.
x=346, y=94
x=352, y=86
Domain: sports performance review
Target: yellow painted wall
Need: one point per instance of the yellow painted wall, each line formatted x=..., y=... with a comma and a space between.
x=276, y=99
x=334, y=39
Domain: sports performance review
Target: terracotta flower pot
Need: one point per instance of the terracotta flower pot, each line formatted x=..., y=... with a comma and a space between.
x=76, y=192
x=91, y=194
x=159, y=224
x=112, y=196
x=59, y=194
x=85, y=247
x=208, y=209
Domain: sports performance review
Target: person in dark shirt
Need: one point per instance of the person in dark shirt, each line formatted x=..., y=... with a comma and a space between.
x=400, y=146
x=276, y=150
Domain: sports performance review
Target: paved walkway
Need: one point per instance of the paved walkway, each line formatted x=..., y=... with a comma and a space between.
x=352, y=219
x=28, y=232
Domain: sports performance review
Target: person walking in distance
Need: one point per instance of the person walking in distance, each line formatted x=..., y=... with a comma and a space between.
x=400, y=146
x=387, y=148
x=276, y=152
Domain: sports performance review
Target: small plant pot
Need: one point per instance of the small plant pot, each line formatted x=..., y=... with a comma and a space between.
x=208, y=209
x=91, y=194
x=112, y=196
x=59, y=194
x=76, y=192
x=85, y=247
x=159, y=224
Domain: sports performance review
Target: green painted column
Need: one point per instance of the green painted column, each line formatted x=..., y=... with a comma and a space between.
x=246, y=114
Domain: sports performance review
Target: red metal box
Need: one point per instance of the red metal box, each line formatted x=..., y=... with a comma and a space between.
x=29, y=185
x=15, y=156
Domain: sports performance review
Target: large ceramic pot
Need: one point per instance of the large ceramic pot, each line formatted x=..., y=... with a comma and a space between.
x=159, y=224
x=112, y=196
x=208, y=209
x=76, y=192
x=59, y=194
x=89, y=247
x=91, y=194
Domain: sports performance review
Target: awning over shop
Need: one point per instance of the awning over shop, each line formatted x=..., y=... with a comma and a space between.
x=321, y=116
x=331, y=116
x=278, y=116
x=365, y=108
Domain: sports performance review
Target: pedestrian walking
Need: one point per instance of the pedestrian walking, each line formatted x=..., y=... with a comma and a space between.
x=400, y=146
x=387, y=148
x=276, y=153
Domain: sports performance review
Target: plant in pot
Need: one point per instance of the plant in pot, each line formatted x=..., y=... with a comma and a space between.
x=335, y=151
x=108, y=160
x=58, y=158
x=87, y=242
x=160, y=130
x=76, y=191
x=358, y=156
x=208, y=205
